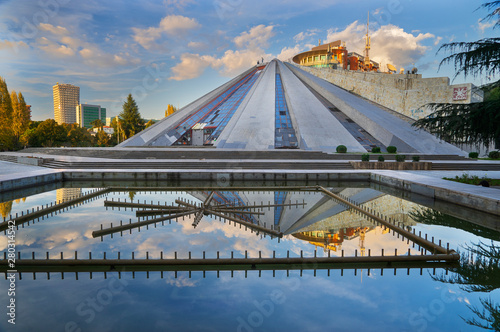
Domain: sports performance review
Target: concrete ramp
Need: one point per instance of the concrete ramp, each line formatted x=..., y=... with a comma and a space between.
x=318, y=129
x=385, y=127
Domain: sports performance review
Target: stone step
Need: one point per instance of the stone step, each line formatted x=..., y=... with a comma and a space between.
x=197, y=165
x=211, y=153
x=465, y=167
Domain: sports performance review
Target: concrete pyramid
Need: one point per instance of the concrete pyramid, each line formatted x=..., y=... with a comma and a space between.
x=277, y=105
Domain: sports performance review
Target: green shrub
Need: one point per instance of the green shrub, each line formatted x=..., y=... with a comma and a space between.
x=473, y=155
x=376, y=149
x=365, y=157
x=381, y=158
x=400, y=157
x=494, y=155
x=341, y=149
x=392, y=149
x=415, y=158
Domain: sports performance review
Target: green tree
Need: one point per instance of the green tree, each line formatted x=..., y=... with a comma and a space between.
x=476, y=123
x=6, y=133
x=29, y=138
x=97, y=124
x=20, y=116
x=49, y=133
x=130, y=118
x=102, y=138
x=78, y=136
x=115, y=137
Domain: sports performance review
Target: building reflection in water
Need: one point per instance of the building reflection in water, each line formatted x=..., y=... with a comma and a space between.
x=332, y=240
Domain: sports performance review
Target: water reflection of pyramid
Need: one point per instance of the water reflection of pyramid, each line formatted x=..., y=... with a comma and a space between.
x=314, y=208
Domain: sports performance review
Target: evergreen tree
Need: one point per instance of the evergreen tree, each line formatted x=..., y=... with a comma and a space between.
x=130, y=118
x=6, y=133
x=476, y=123
x=20, y=115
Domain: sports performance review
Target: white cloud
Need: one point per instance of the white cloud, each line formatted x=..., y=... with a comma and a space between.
x=59, y=43
x=191, y=66
x=179, y=4
x=57, y=30
x=389, y=43
x=234, y=62
x=288, y=52
x=303, y=35
x=249, y=50
x=171, y=25
x=257, y=37
x=8, y=44
x=197, y=45
x=53, y=48
x=483, y=26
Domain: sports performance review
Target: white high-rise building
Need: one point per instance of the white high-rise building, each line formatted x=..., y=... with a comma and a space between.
x=66, y=99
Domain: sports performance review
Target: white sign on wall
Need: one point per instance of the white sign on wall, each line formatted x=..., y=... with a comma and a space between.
x=460, y=93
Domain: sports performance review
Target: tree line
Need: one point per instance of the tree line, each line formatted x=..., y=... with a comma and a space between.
x=18, y=131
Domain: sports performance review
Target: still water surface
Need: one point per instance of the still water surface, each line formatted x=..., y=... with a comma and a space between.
x=354, y=298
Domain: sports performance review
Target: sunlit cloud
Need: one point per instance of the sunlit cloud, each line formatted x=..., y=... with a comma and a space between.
x=59, y=43
x=169, y=25
x=484, y=25
x=305, y=35
x=389, y=43
x=256, y=37
x=250, y=49
x=14, y=45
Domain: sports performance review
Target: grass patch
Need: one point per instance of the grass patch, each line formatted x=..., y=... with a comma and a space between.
x=474, y=179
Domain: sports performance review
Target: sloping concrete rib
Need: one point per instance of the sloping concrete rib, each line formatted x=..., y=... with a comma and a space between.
x=318, y=128
x=252, y=126
x=156, y=135
x=385, y=127
x=326, y=208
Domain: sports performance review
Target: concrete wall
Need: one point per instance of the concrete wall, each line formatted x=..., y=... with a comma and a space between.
x=405, y=93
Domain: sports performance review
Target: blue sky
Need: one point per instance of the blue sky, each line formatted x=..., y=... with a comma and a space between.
x=174, y=51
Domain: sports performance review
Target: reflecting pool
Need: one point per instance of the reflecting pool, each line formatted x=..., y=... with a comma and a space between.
x=328, y=257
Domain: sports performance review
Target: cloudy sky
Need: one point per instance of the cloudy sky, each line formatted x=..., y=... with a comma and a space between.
x=174, y=51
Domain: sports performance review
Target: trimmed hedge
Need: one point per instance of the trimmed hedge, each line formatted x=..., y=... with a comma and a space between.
x=376, y=149
x=381, y=158
x=365, y=157
x=473, y=155
x=415, y=158
x=400, y=157
x=494, y=155
x=392, y=149
x=341, y=149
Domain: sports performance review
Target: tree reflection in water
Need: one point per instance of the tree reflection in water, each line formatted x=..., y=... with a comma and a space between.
x=479, y=269
x=433, y=217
